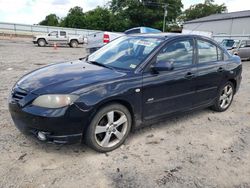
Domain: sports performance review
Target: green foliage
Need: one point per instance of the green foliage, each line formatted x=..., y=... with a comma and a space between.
x=146, y=13
x=203, y=9
x=50, y=20
x=98, y=19
x=75, y=18
x=120, y=15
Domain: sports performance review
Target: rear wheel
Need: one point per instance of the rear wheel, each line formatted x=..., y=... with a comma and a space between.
x=109, y=128
x=224, y=98
x=41, y=42
x=73, y=44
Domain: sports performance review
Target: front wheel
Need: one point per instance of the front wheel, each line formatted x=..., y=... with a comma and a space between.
x=224, y=98
x=109, y=128
x=41, y=42
x=73, y=44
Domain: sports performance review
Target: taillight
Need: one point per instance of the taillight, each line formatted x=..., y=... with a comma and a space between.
x=105, y=38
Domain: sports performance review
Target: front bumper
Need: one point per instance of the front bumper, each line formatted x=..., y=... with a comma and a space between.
x=65, y=125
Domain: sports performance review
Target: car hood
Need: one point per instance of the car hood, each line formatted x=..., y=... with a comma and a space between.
x=66, y=77
x=40, y=36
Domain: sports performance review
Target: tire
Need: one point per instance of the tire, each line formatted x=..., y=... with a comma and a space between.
x=109, y=128
x=41, y=42
x=224, y=97
x=73, y=44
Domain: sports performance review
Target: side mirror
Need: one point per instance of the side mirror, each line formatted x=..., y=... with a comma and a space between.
x=49, y=34
x=163, y=66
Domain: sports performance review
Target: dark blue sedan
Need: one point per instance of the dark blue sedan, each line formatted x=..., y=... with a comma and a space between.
x=133, y=81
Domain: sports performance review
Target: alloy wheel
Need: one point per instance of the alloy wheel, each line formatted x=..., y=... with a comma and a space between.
x=111, y=129
x=226, y=96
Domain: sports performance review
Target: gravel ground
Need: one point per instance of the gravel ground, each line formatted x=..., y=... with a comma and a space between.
x=200, y=149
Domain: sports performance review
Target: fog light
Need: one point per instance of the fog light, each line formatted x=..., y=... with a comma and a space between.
x=41, y=136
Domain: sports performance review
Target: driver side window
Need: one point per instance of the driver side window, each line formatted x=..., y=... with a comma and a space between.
x=54, y=33
x=180, y=53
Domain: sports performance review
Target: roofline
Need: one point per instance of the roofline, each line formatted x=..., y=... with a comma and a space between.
x=216, y=19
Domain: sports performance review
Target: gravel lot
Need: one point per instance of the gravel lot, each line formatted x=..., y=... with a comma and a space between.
x=200, y=149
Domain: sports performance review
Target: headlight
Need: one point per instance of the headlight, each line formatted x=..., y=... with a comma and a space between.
x=54, y=100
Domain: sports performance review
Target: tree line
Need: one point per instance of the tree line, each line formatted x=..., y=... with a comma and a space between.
x=120, y=15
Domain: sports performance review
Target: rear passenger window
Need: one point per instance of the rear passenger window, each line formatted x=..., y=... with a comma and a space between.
x=207, y=52
x=132, y=31
x=180, y=53
x=248, y=43
x=62, y=33
x=245, y=44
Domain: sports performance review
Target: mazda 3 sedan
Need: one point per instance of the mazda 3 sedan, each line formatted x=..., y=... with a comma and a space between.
x=135, y=80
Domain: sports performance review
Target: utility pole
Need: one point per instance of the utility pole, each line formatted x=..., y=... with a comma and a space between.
x=164, y=5
x=164, y=17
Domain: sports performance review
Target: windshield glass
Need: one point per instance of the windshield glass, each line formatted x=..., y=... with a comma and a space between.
x=125, y=52
x=228, y=43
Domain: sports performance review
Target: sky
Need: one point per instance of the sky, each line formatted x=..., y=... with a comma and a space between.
x=34, y=11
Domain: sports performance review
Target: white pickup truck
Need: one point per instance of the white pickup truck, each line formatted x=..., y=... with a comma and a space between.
x=58, y=37
x=99, y=39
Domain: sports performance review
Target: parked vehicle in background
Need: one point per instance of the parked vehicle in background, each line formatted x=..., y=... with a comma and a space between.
x=133, y=81
x=142, y=30
x=229, y=43
x=58, y=37
x=242, y=49
x=99, y=39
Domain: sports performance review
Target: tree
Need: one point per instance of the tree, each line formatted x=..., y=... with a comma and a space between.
x=98, y=19
x=203, y=9
x=146, y=13
x=75, y=18
x=120, y=15
x=50, y=20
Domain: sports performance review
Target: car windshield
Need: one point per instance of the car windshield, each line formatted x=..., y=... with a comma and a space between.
x=126, y=52
x=228, y=43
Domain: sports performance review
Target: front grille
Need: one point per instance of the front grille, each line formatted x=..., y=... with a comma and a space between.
x=18, y=94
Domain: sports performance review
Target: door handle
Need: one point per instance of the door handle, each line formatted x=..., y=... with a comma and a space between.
x=189, y=75
x=220, y=69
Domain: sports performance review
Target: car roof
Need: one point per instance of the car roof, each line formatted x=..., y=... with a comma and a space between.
x=166, y=36
x=147, y=29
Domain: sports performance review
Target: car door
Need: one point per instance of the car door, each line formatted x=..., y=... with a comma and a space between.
x=165, y=92
x=62, y=37
x=244, y=50
x=210, y=71
x=53, y=37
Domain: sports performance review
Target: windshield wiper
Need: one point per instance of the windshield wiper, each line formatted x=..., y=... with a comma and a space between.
x=100, y=64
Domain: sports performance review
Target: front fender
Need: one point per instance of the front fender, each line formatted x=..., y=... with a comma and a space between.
x=126, y=92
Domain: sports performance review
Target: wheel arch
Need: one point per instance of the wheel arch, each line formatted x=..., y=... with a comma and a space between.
x=109, y=102
x=121, y=102
x=73, y=40
x=43, y=39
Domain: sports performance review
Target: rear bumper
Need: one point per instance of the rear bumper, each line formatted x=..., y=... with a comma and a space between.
x=34, y=42
x=64, y=125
